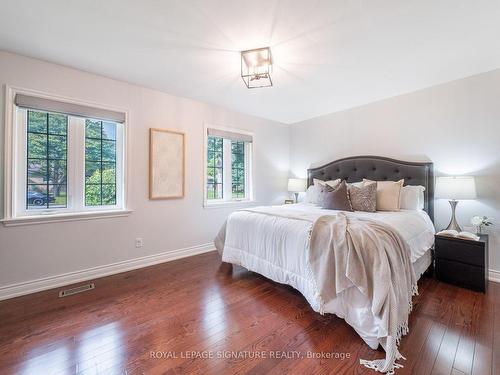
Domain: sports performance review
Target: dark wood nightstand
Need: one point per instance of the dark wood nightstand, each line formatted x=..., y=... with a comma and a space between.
x=462, y=262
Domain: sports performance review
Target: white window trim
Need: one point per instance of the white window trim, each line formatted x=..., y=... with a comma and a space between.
x=61, y=217
x=11, y=169
x=249, y=172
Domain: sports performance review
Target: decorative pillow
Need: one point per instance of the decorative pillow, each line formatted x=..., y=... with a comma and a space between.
x=312, y=194
x=412, y=197
x=332, y=183
x=357, y=184
x=337, y=199
x=364, y=197
x=388, y=195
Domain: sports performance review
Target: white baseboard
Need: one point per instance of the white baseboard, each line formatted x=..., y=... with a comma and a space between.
x=494, y=276
x=27, y=287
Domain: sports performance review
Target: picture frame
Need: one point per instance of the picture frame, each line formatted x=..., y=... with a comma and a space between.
x=166, y=164
x=289, y=201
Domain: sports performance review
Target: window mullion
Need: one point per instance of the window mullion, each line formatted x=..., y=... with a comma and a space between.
x=48, y=163
x=76, y=162
x=120, y=193
x=100, y=166
x=226, y=163
x=248, y=170
x=20, y=167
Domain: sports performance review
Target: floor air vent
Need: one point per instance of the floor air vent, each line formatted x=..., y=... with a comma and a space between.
x=78, y=289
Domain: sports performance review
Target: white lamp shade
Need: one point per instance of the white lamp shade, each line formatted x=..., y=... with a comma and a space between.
x=296, y=185
x=462, y=187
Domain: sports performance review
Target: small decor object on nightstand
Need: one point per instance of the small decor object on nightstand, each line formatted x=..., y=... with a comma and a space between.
x=479, y=222
x=463, y=235
x=462, y=262
x=455, y=188
x=289, y=201
x=296, y=186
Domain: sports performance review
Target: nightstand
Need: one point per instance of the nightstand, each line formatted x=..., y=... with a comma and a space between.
x=462, y=262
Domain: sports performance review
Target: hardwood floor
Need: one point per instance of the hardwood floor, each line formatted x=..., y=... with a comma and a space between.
x=152, y=321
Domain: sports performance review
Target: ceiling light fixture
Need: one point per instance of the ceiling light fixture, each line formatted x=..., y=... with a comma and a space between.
x=256, y=67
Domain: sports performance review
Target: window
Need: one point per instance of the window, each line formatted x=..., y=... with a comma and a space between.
x=238, y=169
x=215, y=169
x=100, y=163
x=46, y=172
x=228, y=166
x=66, y=159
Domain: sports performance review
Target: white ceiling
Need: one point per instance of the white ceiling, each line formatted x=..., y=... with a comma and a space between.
x=329, y=55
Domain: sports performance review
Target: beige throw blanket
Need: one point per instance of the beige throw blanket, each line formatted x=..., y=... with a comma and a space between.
x=375, y=259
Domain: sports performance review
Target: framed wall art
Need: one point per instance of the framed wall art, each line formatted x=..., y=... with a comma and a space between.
x=166, y=164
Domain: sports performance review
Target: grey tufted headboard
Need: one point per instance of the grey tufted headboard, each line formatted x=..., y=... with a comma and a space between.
x=355, y=168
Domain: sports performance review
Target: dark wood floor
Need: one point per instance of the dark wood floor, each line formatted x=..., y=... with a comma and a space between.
x=131, y=320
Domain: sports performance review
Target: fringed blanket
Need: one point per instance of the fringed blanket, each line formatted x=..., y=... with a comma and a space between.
x=375, y=259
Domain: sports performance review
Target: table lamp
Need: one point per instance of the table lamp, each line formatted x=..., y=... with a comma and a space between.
x=455, y=189
x=296, y=186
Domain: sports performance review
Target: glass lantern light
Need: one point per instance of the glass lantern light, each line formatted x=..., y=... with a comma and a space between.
x=256, y=67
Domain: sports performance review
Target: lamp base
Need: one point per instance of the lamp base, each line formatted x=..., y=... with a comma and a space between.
x=296, y=197
x=453, y=222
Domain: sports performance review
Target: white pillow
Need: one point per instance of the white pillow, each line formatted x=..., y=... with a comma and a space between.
x=312, y=194
x=356, y=184
x=412, y=197
x=388, y=195
x=332, y=183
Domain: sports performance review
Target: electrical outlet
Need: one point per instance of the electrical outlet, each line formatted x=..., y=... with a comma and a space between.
x=139, y=242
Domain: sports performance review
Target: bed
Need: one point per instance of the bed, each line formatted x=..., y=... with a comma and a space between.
x=276, y=241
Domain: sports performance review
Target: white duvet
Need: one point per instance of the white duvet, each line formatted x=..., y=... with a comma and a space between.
x=265, y=240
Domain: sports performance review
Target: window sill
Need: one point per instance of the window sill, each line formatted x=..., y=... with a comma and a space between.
x=54, y=218
x=229, y=204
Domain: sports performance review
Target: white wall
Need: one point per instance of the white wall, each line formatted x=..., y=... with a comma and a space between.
x=38, y=251
x=456, y=125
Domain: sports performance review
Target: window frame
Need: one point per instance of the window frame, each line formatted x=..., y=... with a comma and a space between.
x=244, y=169
x=215, y=168
x=15, y=170
x=118, y=170
x=24, y=159
x=227, y=168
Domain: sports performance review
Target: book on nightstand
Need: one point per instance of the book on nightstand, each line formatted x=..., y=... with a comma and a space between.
x=463, y=235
